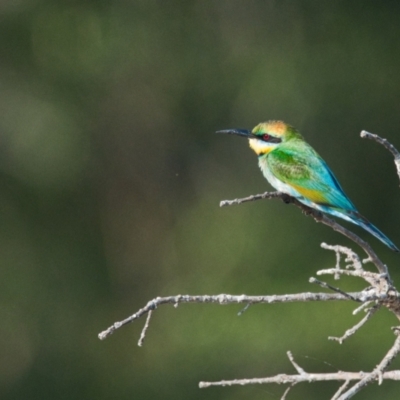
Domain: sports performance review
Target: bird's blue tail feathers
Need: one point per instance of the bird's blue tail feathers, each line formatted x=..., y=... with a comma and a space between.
x=359, y=220
x=353, y=216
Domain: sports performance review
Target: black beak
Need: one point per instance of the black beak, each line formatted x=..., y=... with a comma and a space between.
x=240, y=132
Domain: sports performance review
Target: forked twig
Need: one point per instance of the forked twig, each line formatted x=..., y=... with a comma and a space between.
x=356, y=327
x=224, y=299
x=307, y=377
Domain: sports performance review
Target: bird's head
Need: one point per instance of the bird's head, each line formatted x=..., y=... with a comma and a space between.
x=266, y=136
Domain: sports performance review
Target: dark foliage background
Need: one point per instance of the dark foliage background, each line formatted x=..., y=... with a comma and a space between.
x=110, y=179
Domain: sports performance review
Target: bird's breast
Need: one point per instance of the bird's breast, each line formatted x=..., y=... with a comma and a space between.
x=273, y=180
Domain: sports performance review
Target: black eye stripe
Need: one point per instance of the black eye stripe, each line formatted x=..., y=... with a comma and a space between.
x=270, y=139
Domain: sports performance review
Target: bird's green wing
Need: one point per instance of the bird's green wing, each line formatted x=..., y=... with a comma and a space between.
x=306, y=172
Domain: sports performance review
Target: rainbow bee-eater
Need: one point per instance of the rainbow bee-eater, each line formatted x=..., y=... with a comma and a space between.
x=293, y=167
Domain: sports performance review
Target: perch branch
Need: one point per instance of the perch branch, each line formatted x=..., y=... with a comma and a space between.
x=318, y=217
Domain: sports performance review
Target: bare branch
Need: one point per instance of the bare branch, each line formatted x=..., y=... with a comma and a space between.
x=243, y=310
x=356, y=327
x=144, y=330
x=382, y=141
x=267, y=195
x=340, y=390
x=334, y=289
x=364, y=305
x=351, y=256
x=307, y=377
x=294, y=363
x=377, y=374
x=338, y=257
x=224, y=299
x=286, y=392
x=372, y=278
x=358, y=274
x=318, y=217
x=387, y=145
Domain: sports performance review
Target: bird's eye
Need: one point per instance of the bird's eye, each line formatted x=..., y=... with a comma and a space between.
x=266, y=137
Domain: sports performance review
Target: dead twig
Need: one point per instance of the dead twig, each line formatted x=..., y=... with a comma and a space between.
x=387, y=145
x=307, y=377
x=224, y=299
x=144, y=330
x=377, y=374
x=356, y=327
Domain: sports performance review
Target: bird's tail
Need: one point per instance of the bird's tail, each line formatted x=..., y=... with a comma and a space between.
x=359, y=220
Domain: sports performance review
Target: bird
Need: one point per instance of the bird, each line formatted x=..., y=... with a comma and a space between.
x=293, y=167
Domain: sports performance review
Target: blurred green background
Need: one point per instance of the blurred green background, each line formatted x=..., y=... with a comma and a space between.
x=111, y=176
